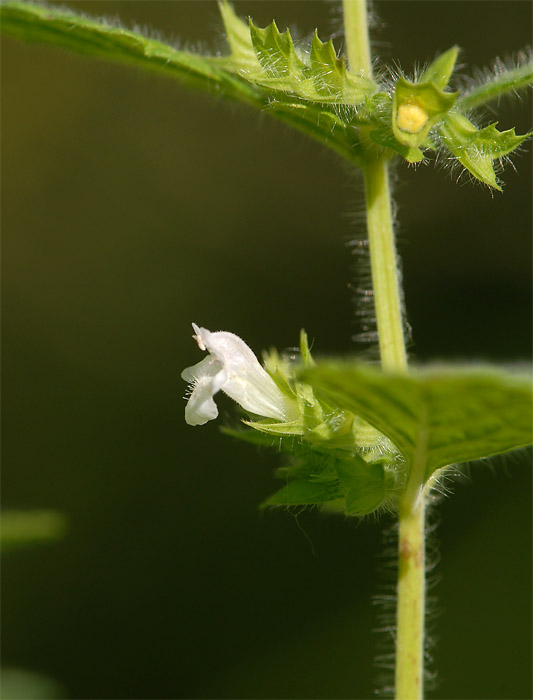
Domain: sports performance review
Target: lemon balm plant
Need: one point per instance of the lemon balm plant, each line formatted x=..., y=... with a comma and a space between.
x=358, y=439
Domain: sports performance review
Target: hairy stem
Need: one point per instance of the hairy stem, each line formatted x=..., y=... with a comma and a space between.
x=388, y=306
x=409, y=680
x=384, y=264
x=411, y=547
x=356, y=36
x=503, y=83
x=409, y=673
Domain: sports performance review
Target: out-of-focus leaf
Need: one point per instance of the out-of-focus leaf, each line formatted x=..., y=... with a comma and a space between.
x=18, y=684
x=437, y=417
x=20, y=528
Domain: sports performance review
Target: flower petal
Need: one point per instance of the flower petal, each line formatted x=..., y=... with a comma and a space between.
x=247, y=382
x=206, y=378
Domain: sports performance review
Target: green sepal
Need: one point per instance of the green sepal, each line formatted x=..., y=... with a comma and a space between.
x=427, y=97
x=276, y=428
x=237, y=31
x=440, y=70
x=476, y=148
x=356, y=486
x=328, y=71
x=305, y=351
x=317, y=77
x=363, y=484
x=330, y=77
x=305, y=492
x=253, y=437
x=276, y=53
x=385, y=138
x=441, y=416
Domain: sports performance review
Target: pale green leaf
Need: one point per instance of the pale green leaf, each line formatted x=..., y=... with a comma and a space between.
x=444, y=416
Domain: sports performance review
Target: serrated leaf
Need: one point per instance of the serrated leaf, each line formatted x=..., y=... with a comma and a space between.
x=476, y=148
x=440, y=70
x=416, y=107
x=440, y=416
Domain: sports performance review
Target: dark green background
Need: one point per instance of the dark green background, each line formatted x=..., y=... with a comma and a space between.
x=132, y=207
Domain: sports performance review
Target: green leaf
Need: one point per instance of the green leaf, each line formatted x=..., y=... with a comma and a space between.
x=440, y=70
x=239, y=76
x=305, y=492
x=476, y=149
x=98, y=39
x=439, y=416
x=416, y=107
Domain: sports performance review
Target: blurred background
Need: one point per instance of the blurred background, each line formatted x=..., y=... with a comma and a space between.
x=132, y=207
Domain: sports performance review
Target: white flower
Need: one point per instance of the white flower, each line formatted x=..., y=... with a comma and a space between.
x=232, y=367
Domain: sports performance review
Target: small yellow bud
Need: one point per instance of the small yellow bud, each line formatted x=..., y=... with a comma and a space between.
x=411, y=118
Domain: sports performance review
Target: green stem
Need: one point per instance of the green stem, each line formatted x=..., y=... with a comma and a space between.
x=411, y=547
x=409, y=681
x=356, y=37
x=384, y=264
x=409, y=673
x=498, y=86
